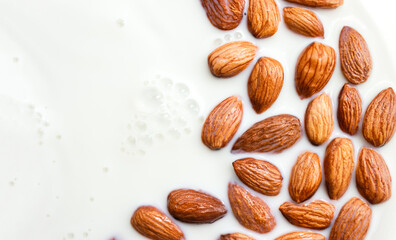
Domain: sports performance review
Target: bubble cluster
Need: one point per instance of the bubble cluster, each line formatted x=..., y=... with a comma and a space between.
x=165, y=110
x=228, y=38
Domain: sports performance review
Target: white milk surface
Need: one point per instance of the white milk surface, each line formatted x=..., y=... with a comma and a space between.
x=102, y=104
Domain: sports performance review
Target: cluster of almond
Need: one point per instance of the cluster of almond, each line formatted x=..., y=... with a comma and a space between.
x=314, y=69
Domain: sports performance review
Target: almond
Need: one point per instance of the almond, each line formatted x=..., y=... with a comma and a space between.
x=319, y=121
x=338, y=166
x=259, y=175
x=250, y=211
x=235, y=236
x=319, y=3
x=191, y=206
x=355, y=56
x=301, y=236
x=352, y=222
x=224, y=14
x=273, y=134
x=316, y=215
x=222, y=123
x=349, y=109
x=231, y=58
x=373, y=179
x=379, y=123
x=315, y=66
x=305, y=177
x=303, y=21
x=154, y=224
x=265, y=83
x=263, y=18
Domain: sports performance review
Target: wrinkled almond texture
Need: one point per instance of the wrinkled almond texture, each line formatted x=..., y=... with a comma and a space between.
x=250, y=211
x=259, y=175
x=305, y=177
x=379, y=123
x=315, y=66
x=273, y=134
x=319, y=121
x=373, y=179
x=338, y=166
x=265, y=83
x=224, y=14
x=193, y=206
x=154, y=224
x=349, y=110
x=263, y=18
x=355, y=56
x=319, y=3
x=231, y=58
x=301, y=236
x=352, y=222
x=315, y=215
x=222, y=123
x=303, y=21
x=235, y=236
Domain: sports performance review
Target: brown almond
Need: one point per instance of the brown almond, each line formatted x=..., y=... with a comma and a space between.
x=265, y=83
x=263, y=18
x=373, y=179
x=319, y=3
x=235, y=236
x=355, y=56
x=315, y=215
x=154, y=224
x=231, y=58
x=379, y=123
x=224, y=14
x=273, y=134
x=250, y=211
x=319, y=121
x=338, y=166
x=352, y=222
x=303, y=21
x=191, y=206
x=305, y=177
x=222, y=123
x=349, y=110
x=259, y=175
x=315, y=66
x=301, y=236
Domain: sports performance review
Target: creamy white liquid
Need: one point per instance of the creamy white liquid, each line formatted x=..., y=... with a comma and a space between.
x=102, y=104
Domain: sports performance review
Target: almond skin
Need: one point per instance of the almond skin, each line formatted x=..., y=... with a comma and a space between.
x=250, y=211
x=349, y=110
x=303, y=21
x=315, y=215
x=373, y=179
x=338, y=167
x=222, y=123
x=315, y=66
x=305, y=177
x=319, y=123
x=319, y=3
x=191, y=206
x=231, y=58
x=379, y=123
x=259, y=175
x=265, y=83
x=154, y=224
x=355, y=58
x=263, y=18
x=301, y=236
x=352, y=222
x=235, y=236
x=224, y=14
x=273, y=134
